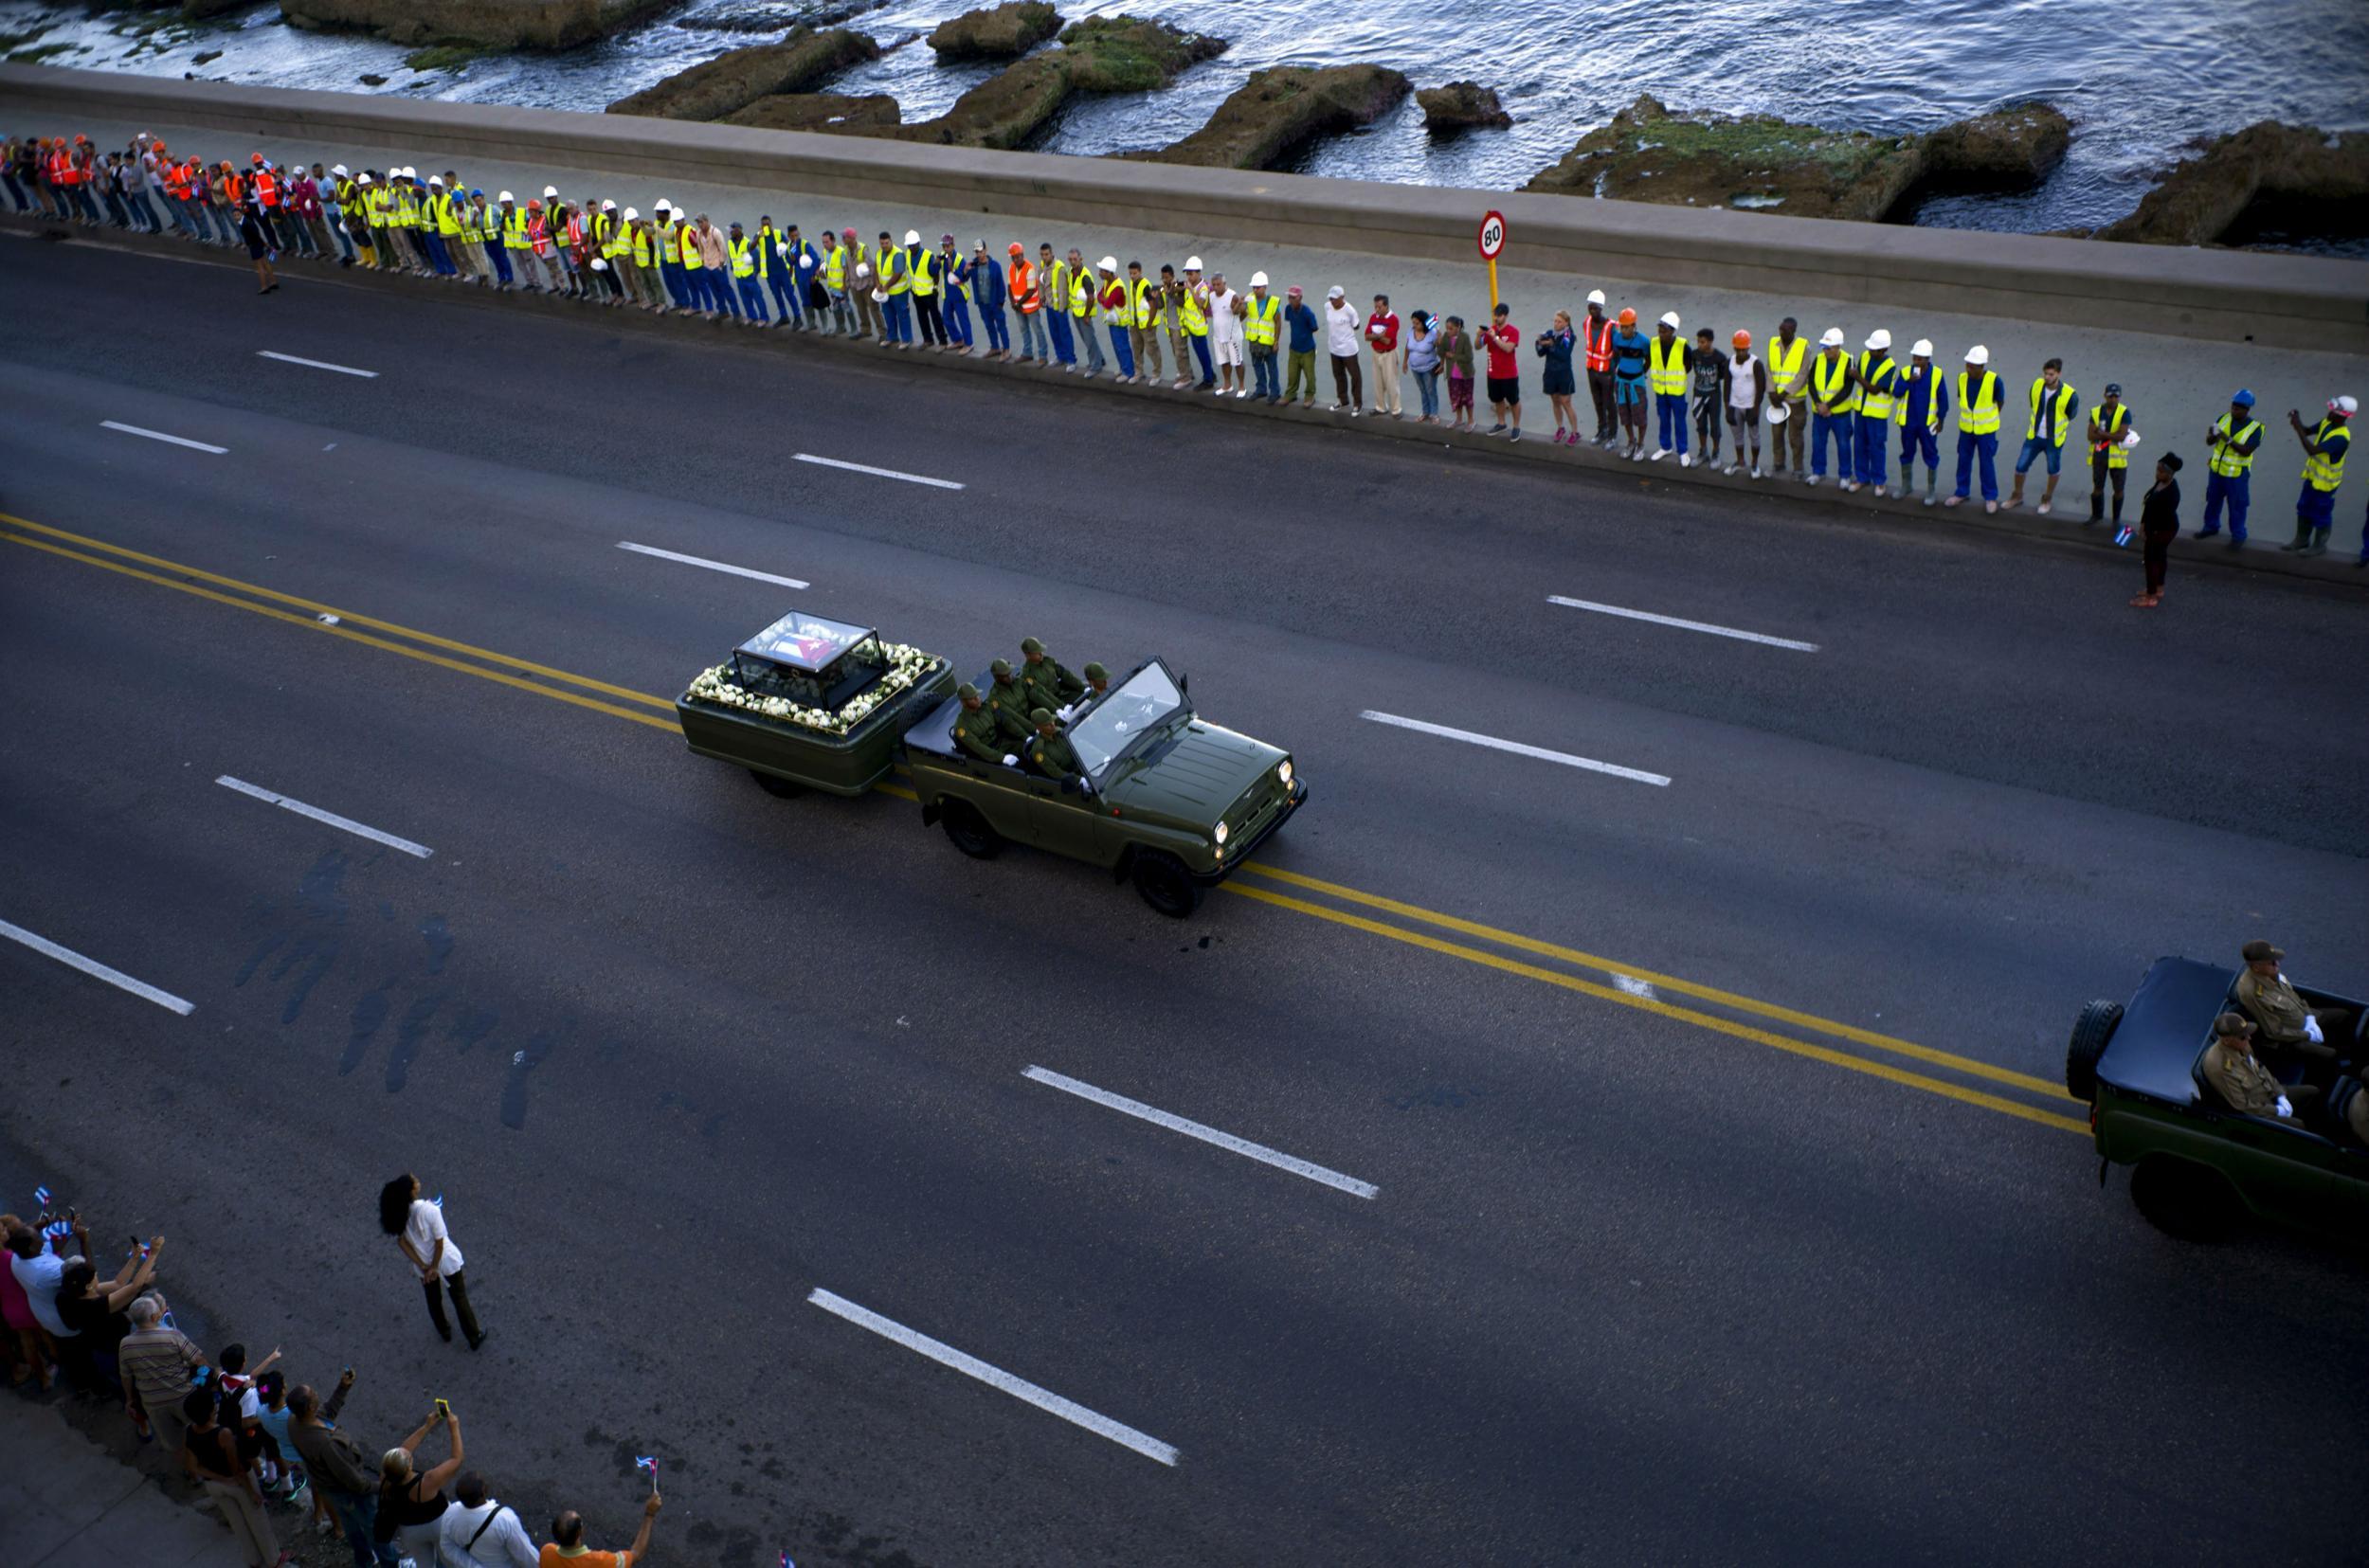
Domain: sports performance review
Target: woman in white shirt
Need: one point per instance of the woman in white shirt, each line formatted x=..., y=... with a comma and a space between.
x=418, y=1227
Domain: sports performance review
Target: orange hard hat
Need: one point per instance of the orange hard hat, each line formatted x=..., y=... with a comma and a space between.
x=81, y=141
x=257, y=158
x=1744, y=340
x=1628, y=319
x=535, y=204
x=1017, y=247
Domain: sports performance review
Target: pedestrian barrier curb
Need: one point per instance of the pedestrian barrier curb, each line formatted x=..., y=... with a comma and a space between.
x=2270, y=300
x=2067, y=530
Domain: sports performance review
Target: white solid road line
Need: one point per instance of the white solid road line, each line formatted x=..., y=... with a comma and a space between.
x=1206, y=1134
x=1565, y=758
x=315, y=364
x=159, y=435
x=1761, y=638
x=1018, y=1388
x=712, y=565
x=346, y=824
x=882, y=473
x=41, y=944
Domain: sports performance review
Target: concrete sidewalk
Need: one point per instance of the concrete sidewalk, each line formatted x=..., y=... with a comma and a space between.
x=2175, y=384
x=67, y=1503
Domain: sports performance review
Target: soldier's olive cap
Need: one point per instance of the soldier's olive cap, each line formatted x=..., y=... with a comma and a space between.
x=2230, y=1023
x=1030, y=645
x=966, y=691
x=2256, y=951
x=1095, y=672
x=1001, y=668
x=1040, y=717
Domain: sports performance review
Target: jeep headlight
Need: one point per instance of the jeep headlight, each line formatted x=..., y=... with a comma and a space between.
x=1283, y=772
x=1218, y=836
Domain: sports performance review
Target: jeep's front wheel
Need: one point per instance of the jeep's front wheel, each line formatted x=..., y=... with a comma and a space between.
x=2184, y=1199
x=2091, y=1032
x=1166, y=885
x=968, y=830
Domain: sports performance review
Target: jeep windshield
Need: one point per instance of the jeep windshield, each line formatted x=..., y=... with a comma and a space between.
x=1148, y=700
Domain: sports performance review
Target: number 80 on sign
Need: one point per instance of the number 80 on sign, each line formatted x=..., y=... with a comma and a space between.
x=1492, y=235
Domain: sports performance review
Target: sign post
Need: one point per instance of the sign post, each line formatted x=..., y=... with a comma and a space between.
x=1492, y=242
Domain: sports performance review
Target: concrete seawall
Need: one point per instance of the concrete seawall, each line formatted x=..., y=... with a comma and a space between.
x=2224, y=298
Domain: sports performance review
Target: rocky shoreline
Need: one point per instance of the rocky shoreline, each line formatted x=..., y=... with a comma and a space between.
x=2271, y=183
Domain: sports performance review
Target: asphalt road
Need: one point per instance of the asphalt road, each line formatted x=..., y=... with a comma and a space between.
x=1724, y=1209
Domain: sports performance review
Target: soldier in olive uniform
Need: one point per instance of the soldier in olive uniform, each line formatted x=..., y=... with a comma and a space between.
x=1051, y=750
x=1008, y=703
x=1048, y=682
x=975, y=730
x=1097, y=682
x=2287, y=1019
x=2238, y=1077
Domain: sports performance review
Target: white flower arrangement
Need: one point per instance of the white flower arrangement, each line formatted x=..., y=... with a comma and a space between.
x=907, y=666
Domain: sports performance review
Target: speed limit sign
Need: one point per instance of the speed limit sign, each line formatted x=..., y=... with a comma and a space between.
x=1492, y=235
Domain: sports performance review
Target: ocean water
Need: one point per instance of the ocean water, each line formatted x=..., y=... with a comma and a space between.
x=2146, y=82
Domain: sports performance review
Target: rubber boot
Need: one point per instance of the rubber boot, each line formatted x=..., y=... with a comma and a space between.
x=2302, y=538
x=2319, y=545
x=1932, y=482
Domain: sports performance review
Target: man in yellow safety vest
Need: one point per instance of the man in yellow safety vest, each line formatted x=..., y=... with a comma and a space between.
x=1978, y=427
x=2325, y=447
x=1260, y=313
x=2053, y=405
x=2232, y=441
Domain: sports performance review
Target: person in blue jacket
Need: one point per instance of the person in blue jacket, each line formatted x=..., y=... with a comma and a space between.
x=987, y=287
x=955, y=279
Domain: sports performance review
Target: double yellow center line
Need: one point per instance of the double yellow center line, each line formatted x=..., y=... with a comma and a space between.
x=1624, y=985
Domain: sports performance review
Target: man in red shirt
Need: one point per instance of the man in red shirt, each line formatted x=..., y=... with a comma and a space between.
x=1382, y=336
x=1505, y=373
x=1596, y=338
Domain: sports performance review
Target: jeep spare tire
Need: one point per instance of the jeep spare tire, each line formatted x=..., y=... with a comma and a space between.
x=2090, y=1033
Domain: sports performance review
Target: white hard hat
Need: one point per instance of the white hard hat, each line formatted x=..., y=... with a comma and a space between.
x=404, y=173
x=2346, y=407
x=912, y=236
x=363, y=178
x=1833, y=339
x=1258, y=280
x=599, y=265
x=663, y=206
x=1922, y=347
x=436, y=179
x=337, y=168
x=506, y=196
x=1977, y=356
x=1669, y=319
x=1879, y=339
x=1108, y=263
x=1192, y=263
x=631, y=214
x=608, y=206
x=1595, y=296
x=550, y=191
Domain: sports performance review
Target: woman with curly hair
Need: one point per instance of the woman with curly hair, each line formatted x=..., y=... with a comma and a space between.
x=418, y=1227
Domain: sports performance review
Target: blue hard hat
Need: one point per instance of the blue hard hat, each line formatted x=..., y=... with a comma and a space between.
x=477, y=193
x=2244, y=398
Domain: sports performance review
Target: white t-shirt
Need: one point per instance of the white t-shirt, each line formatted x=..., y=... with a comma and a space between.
x=39, y=1275
x=424, y=1229
x=502, y=1544
x=1341, y=324
x=1742, y=393
x=1225, y=326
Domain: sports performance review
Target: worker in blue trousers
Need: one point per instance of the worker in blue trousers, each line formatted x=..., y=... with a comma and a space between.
x=2232, y=442
x=777, y=273
x=1084, y=295
x=897, y=321
x=1922, y=405
x=1058, y=279
x=2325, y=447
x=987, y=287
x=1835, y=407
x=744, y=252
x=1879, y=385
x=669, y=245
x=1119, y=309
x=954, y=269
x=1667, y=372
x=1978, y=427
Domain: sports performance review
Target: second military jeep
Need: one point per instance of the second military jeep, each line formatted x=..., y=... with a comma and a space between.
x=1164, y=799
x=2199, y=1167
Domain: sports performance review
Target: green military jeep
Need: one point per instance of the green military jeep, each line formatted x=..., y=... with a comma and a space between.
x=2198, y=1168
x=1164, y=799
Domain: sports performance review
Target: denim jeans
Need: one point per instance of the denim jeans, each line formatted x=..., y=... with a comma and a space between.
x=1032, y=344
x=1093, y=346
x=1835, y=429
x=357, y=1514
x=1874, y=432
x=998, y=331
x=2038, y=446
x=1262, y=367
x=1427, y=387
x=1987, y=445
